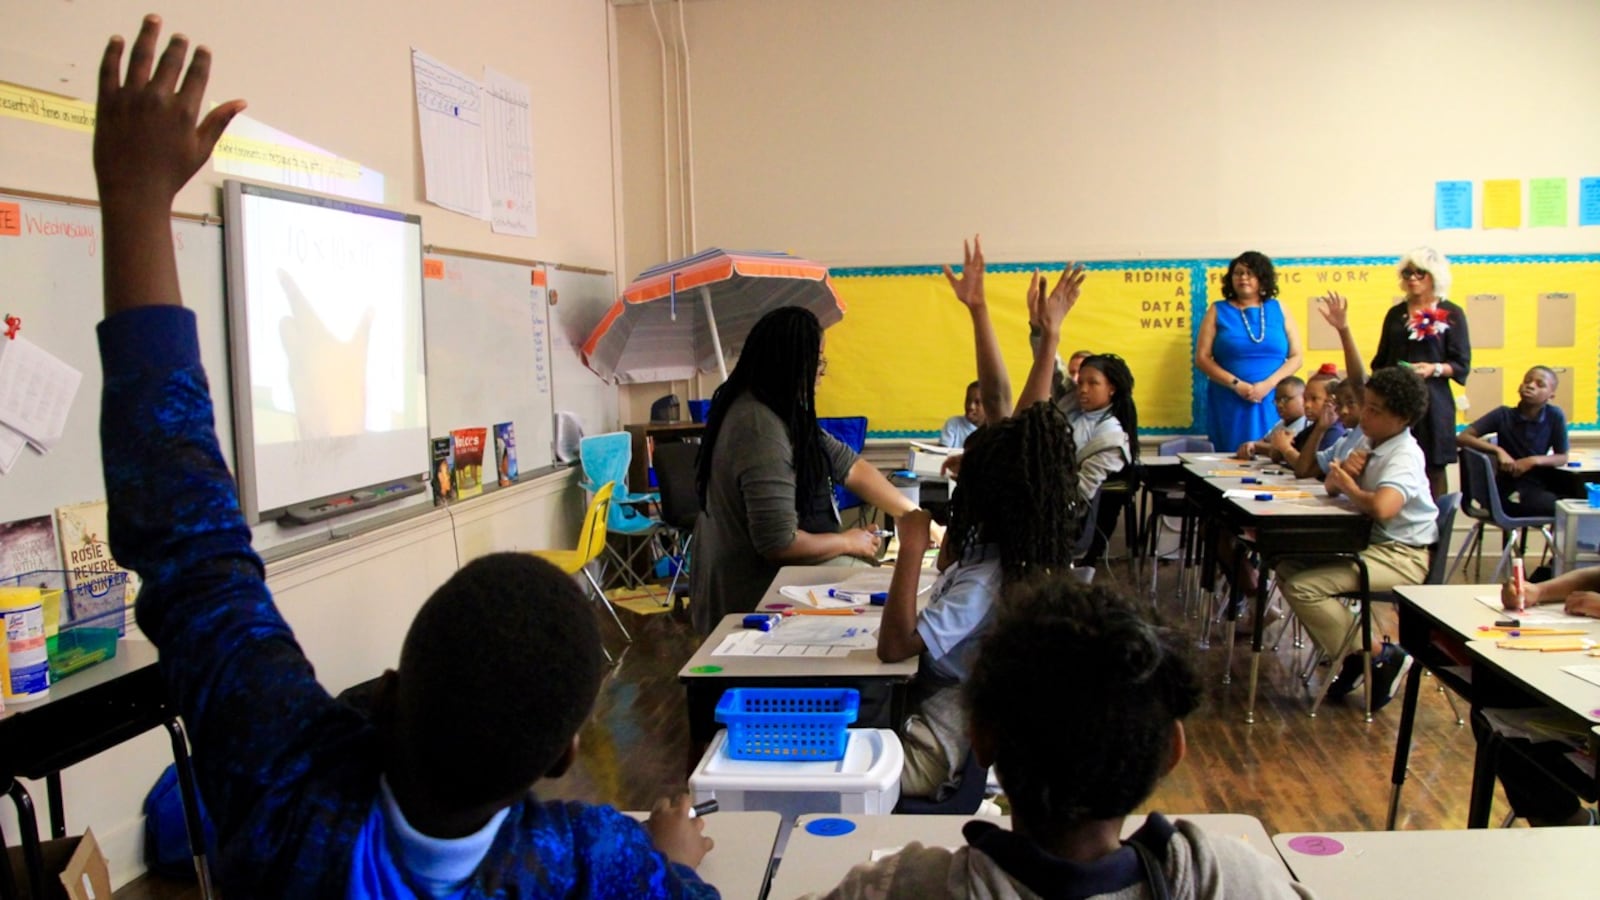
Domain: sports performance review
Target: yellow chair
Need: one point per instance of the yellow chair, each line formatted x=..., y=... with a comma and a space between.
x=591, y=543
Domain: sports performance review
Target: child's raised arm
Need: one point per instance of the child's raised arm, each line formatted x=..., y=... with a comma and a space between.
x=1048, y=311
x=994, y=383
x=1335, y=311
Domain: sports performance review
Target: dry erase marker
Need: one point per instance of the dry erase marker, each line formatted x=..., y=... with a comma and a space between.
x=702, y=809
x=875, y=597
x=1263, y=496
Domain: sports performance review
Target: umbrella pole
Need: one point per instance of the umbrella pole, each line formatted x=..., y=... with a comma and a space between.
x=716, y=339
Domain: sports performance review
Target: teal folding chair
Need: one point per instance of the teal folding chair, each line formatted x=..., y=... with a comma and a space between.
x=606, y=459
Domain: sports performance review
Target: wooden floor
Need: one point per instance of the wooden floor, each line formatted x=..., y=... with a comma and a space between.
x=1292, y=772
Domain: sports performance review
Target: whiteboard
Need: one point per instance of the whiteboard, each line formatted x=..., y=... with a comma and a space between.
x=50, y=276
x=580, y=302
x=488, y=351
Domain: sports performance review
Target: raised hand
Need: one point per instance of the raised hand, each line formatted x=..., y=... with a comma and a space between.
x=1054, y=308
x=1335, y=310
x=969, y=287
x=147, y=144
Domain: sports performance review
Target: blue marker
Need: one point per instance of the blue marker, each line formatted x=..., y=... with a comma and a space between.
x=1263, y=496
x=760, y=622
x=1249, y=480
x=879, y=597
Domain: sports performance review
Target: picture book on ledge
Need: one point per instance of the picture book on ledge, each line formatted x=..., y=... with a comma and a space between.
x=469, y=447
x=95, y=581
x=444, y=471
x=505, y=453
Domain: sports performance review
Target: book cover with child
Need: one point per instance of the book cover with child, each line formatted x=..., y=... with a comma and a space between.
x=469, y=447
x=96, y=583
x=444, y=471
x=28, y=553
x=505, y=453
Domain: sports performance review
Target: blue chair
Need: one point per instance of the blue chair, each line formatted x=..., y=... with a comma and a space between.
x=605, y=459
x=1481, y=502
x=852, y=432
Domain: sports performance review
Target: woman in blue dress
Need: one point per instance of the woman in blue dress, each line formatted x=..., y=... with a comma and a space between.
x=1248, y=343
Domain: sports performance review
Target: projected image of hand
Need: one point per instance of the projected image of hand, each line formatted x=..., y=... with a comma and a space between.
x=327, y=375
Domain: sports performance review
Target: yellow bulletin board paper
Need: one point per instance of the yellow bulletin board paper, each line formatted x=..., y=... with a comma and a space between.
x=1502, y=203
x=903, y=354
x=1547, y=202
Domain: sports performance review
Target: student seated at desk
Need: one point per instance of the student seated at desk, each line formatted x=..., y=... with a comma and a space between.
x=1389, y=484
x=1078, y=702
x=1535, y=795
x=1319, y=411
x=957, y=429
x=1346, y=397
x=1014, y=513
x=430, y=796
x=1532, y=440
x=1289, y=398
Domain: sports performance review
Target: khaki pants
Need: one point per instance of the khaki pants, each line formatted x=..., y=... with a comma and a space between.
x=935, y=745
x=1313, y=588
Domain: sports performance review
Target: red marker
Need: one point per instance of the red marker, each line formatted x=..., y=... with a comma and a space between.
x=1519, y=585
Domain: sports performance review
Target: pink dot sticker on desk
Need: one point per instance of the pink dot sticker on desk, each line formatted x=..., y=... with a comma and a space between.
x=1315, y=845
x=778, y=606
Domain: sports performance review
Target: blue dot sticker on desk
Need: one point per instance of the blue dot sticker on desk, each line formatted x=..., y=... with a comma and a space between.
x=830, y=827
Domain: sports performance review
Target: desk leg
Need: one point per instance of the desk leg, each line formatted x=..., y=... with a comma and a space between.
x=57, y=805
x=1483, y=765
x=1366, y=632
x=191, y=807
x=1256, y=633
x=28, y=824
x=8, y=882
x=1402, y=743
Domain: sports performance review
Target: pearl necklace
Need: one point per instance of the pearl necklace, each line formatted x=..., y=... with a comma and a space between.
x=1255, y=338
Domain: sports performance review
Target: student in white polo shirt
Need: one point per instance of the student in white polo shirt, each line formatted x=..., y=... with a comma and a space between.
x=1390, y=484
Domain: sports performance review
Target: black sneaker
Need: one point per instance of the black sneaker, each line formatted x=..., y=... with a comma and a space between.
x=1350, y=676
x=1388, y=669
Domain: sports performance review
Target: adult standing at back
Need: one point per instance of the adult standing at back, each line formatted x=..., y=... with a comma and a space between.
x=1248, y=343
x=1429, y=333
x=767, y=471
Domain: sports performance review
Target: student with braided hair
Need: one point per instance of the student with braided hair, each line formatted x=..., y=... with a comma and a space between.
x=1015, y=512
x=1076, y=766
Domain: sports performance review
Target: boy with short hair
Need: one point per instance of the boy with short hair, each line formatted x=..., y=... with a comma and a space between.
x=1389, y=483
x=1289, y=396
x=1532, y=439
x=1323, y=428
x=430, y=794
x=1074, y=765
x=958, y=428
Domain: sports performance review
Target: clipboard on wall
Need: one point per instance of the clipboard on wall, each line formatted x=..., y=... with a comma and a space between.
x=1486, y=390
x=1558, y=319
x=1487, y=313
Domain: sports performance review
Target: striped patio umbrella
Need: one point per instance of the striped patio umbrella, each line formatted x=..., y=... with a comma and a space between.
x=680, y=316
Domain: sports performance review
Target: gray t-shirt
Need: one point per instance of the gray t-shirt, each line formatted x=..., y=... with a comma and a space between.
x=749, y=510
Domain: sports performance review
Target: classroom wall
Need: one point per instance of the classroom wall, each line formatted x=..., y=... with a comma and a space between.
x=338, y=76
x=882, y=133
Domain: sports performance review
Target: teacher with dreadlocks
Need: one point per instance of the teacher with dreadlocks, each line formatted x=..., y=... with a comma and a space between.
x=1429, y=334
x=767, y=471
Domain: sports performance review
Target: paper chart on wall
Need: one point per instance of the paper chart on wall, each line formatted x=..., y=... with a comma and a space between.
x=36, y=392
x=508, y=133
x=450, y=121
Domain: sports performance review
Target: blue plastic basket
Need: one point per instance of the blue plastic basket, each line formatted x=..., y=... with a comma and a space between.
x=792, y=724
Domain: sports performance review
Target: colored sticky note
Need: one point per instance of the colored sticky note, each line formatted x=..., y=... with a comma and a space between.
x=1589, y=201
x=1502, y=203
x=433, y=269
x=1452, y=205
x=10, y=219
x=1547, y=202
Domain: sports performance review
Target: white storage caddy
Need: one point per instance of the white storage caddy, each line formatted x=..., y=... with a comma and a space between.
x=866, y=781
x=1577, y=536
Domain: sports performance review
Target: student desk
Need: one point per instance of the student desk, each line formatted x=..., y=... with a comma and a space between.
x=86, y=714
x=814, y=863
x=705, y=677
x=738, y=861
x=1502, y=862
x=1582, y=468
x=1537, y=677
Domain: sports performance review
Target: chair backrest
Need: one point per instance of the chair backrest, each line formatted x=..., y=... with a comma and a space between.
x=1439, y=554
x=1473, y=483
x=852, y=432
x=606, y=457
x=1186, y=444
x=592, y=536
x=675, y=463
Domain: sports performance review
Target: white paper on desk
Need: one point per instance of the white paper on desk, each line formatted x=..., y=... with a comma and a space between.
x=858, y=589
x=508, y=136
x=1537, y=617
x=757, y=643
x=816, y=595
x=1277, y=494
x=450, y=120
x=36, y=391
x=11, y=444
x=852, y=632
x=1590, y=674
